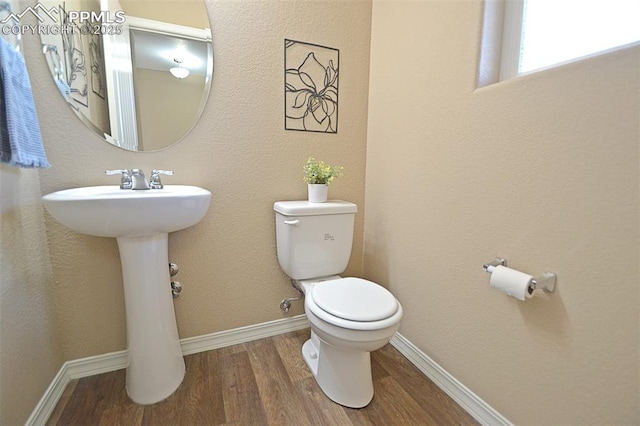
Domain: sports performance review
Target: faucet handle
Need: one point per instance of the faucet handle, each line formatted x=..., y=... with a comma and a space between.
x=154, y=180
x=125, y=180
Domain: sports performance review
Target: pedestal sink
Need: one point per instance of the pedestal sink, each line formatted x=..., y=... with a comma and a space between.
x=140, y=221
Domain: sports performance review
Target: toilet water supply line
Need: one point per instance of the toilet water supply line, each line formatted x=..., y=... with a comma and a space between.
x=286, y=303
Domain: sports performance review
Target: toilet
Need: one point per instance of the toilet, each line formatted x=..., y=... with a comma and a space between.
x=349, y=317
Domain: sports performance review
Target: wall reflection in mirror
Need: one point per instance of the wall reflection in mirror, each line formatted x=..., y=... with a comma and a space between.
x=138, y=73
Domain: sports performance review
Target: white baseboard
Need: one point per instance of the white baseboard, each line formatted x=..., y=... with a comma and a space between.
x=476, y=407
x=113, y=361
x=208, y=342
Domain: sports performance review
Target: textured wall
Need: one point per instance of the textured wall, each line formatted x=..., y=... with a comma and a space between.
x=542, y=170
x=239, y=150
x=30, y=352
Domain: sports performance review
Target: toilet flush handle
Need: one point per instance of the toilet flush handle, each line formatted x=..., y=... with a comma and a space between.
x=294, y=222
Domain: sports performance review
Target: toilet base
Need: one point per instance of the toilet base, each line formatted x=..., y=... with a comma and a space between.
x=343, y=375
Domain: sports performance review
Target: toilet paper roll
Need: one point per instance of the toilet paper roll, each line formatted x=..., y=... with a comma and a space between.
x=510, y=281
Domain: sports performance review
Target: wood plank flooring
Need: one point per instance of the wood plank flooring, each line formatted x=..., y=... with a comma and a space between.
x=264, y=382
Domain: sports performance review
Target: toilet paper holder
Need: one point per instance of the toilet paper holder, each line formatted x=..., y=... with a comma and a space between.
x=546, y=281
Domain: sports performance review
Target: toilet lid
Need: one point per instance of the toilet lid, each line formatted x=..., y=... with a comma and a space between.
x=354, y=299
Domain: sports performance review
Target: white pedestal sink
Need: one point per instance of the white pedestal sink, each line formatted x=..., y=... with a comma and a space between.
x=140, y=221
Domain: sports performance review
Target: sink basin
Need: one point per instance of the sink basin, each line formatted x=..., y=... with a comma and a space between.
x=108, y=211
x=140, y=221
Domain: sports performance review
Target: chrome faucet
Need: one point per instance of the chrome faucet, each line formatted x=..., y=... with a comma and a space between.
x=139, y=180
x=135, y=178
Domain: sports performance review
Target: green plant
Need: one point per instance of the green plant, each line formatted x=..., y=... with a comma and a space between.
x=319, y=172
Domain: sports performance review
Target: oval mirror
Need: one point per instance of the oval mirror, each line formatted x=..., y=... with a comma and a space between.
x=138, y=73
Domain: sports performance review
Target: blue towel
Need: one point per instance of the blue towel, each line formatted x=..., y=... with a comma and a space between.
x=20, y=139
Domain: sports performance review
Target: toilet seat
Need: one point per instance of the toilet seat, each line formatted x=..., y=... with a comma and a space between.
x=353, y=303
x=355, y=299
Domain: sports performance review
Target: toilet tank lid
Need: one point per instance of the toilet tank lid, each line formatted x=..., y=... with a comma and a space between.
x=305, y=208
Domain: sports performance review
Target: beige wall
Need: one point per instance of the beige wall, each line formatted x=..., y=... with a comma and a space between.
x=30, y=352
x=181, y=12
x=542, y=170
x=239, y=150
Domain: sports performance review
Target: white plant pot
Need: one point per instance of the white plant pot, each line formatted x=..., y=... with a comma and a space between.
x=318, y=192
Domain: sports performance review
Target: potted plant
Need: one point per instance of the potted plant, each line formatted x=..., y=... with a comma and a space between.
x=318, y=175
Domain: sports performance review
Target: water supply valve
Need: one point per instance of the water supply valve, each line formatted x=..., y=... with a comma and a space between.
x=285, y=305
x=173, y=269
x=176, y=288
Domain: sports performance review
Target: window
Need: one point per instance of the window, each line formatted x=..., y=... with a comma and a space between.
x=537, y=34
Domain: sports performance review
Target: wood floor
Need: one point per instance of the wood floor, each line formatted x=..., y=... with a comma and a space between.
x=264, y=382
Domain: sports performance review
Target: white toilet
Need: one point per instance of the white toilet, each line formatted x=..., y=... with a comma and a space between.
x=349, y=317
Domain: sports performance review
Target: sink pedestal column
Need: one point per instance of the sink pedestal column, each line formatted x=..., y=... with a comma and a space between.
x=155, y=365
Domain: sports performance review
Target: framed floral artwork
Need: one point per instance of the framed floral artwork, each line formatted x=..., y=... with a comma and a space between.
x=310, y=87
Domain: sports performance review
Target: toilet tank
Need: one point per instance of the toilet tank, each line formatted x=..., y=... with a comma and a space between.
x=314, y=239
